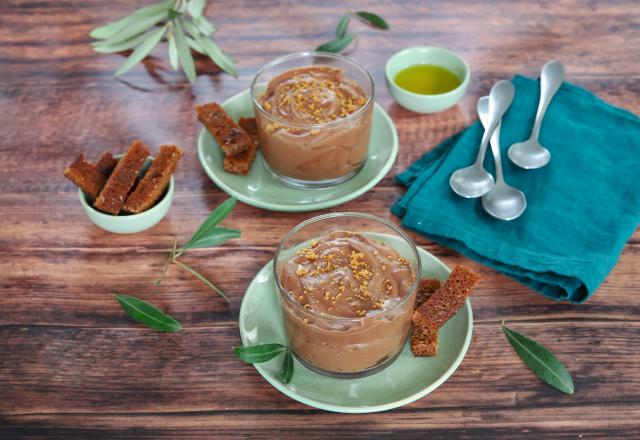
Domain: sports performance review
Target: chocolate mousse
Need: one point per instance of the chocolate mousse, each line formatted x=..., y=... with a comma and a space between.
x=348, y=308
x=306, y=130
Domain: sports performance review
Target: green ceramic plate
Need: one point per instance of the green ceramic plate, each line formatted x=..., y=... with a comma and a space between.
x=408, y=379
x=260, y=188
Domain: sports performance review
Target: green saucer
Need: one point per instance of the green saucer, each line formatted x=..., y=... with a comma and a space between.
x=260, y=188
x=408, y=379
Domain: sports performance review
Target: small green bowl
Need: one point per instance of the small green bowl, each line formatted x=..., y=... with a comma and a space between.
x=129, y=224
x=427, y=55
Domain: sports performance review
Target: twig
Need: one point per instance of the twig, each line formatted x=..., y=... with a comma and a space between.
x=201, y=278
x=172, y=257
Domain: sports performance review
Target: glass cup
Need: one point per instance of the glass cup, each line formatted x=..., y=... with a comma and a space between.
x=314, y=155
x=345, y=347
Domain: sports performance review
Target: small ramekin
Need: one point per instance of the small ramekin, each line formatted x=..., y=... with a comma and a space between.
x=129, y=224
x=427, y=55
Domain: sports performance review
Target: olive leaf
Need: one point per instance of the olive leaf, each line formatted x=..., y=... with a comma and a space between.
x=110, y=29
x=148, y=314
x=214, y=237
x=373, y=19
x=341, y=30
x=196, y=7
x=119, y=47
x=343, y=39
x=136, y=28
x=204, y=26
x=224, y=61
x=256, y=354
x=540, y=360
x=336, y=45
x=184, y=53
x=193, y=44
x=286, y=373
x=173, y=51
x=141, y=51
x=207, y=226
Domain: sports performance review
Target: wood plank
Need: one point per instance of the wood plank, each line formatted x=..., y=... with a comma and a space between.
x=135, y=370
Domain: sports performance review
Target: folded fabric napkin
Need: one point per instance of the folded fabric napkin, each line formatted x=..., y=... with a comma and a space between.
x=582, y=207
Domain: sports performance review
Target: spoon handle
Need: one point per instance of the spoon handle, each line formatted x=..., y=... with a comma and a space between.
x=495, y=149
x=483, y=113
x=500, y=99
x=550, y=81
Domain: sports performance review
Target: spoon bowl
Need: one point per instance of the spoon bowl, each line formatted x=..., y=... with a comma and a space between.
x=529, y=154
x=504, y=202
x=471, y=182
x=474, y=181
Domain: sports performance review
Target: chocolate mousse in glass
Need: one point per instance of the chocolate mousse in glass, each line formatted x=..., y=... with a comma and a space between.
x=347, y=285
x=313, y=113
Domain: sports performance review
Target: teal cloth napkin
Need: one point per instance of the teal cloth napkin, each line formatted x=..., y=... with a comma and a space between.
x=582, y=207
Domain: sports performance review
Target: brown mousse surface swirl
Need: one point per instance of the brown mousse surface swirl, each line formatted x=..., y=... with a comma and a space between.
x=312, y=95
x=347, y=275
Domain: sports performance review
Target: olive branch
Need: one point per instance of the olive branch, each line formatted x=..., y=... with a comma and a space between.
x=179, y=22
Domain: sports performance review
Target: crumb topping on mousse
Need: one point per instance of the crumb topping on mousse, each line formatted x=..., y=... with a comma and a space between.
x=312, y=95
x=348, y=275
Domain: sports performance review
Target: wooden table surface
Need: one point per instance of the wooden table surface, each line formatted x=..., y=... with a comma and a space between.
x=72, y=365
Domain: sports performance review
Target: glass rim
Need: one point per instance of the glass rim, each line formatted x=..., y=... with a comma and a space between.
x=283, y=294
x=272, y=63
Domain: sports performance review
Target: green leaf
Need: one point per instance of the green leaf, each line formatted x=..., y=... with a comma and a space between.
x=257, y=354
x=540, y=360
x=173, y=51
x=286, y=373
x=147, y=314
x=341, y=30
x=196, y=7
x=218, y=214
x=193, y=44
x=190, y=28
x=224, y=61
x=215, y=237
x=336, y=45
x=173, y=14
x=373, y=19
x=136, y=28
x=184, y=53
x=119, y=47
x=141, y=51
x=109, y=30
x=204, y=26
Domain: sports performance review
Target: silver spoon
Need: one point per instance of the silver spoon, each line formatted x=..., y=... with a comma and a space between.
x=504, y=202
x=530, y=154
x=474, y=180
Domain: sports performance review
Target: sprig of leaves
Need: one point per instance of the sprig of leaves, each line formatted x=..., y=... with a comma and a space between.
x=207, y=235
x=257, y=354
x=343, y=39
x=179, y=22
x=540, y=360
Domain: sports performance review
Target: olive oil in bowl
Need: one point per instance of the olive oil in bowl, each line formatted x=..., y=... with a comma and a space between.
x=427, y=79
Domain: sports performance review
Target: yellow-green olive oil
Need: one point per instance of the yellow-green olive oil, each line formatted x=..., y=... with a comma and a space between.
x=427, y=79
